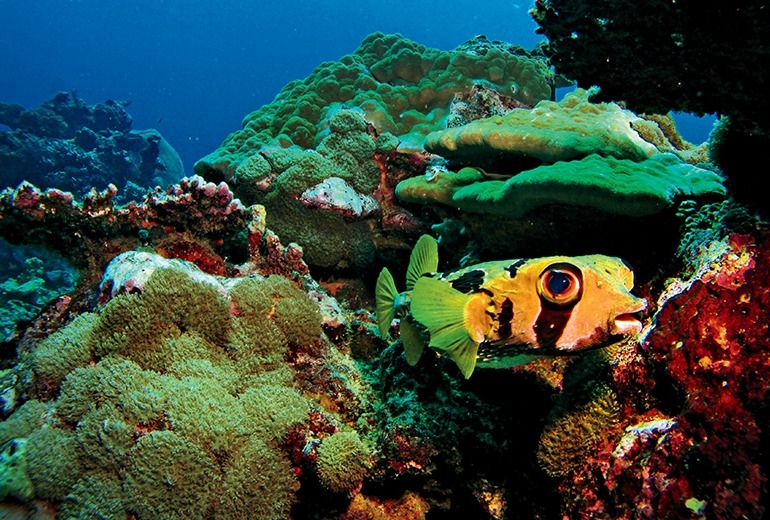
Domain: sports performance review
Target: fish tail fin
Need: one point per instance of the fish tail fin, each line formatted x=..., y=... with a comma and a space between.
x=424, y=259
x=441, y=309
x=385, y=297
x=413, y=342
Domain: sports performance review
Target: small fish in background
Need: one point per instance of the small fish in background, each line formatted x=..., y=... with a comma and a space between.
x=505, y=313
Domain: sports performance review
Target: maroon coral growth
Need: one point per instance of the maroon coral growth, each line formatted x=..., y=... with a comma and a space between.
x=195, y=204
x=407, y=452
x=712, y=342
x=92, y=232
x=196, y=252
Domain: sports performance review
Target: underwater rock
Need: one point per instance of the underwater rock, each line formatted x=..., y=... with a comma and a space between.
x=66, y=144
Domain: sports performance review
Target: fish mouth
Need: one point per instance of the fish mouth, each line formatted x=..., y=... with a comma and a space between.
x=627, y=324
x=630, y=322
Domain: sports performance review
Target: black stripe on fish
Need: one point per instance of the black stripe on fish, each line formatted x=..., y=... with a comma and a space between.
x=550, y=325
x=504, y=318
x=514, y=268
x=490, y=351
x=469, y=282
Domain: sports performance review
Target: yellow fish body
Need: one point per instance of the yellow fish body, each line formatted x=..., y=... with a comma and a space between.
x=506, y=313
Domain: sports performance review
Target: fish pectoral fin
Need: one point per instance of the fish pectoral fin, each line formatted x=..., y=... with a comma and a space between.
x=464, y=357
x=385, y=298
x=413, y=342
x=423, y=260
x=441, y=309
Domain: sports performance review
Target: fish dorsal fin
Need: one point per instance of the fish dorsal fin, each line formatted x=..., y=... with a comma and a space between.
x=385, y=297
x=423, y=260
x=441, y=309
x=413, y=342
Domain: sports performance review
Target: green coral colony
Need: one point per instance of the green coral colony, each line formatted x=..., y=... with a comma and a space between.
x=188, y=395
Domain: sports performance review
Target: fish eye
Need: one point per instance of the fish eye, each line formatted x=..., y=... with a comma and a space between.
x=560, y=284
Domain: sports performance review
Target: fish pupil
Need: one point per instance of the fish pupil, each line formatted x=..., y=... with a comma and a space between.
x=558, y=282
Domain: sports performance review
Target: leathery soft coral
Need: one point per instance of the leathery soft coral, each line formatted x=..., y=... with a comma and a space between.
x=152, y=398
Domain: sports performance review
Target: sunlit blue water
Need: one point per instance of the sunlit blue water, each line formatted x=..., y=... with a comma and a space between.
x=193, y=69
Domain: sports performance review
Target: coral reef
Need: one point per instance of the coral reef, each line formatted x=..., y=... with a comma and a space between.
x=561, y=173
x=201, y=368
x=548, y=132
x=188, y=220
x=403, y=88
x=692, y=391
x=70, y=145
x=617, y=186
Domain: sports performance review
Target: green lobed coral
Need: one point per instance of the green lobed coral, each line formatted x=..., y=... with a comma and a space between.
x=54, y=461
x=343, y=122
x=95, y=496
x=551, y=131
x=58, y=354
x=258, y=484
x=402, y=87
x=278, y=177
x=168, y=476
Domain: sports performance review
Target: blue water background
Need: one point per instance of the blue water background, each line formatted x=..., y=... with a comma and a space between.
x=193, y=69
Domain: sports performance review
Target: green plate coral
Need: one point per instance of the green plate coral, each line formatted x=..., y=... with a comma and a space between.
x=549, y=132
x=618, y=186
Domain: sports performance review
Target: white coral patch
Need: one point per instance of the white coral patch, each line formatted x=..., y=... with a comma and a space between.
x=336, y=195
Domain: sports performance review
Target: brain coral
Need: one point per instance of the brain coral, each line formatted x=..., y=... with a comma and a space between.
x=402, y=87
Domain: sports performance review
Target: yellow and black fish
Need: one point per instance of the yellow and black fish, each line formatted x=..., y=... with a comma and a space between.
x=506, y=313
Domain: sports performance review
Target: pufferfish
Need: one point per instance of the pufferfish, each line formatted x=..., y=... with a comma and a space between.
x=506, y=313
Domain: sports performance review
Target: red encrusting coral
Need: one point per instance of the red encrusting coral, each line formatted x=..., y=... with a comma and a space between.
x=712, y=341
